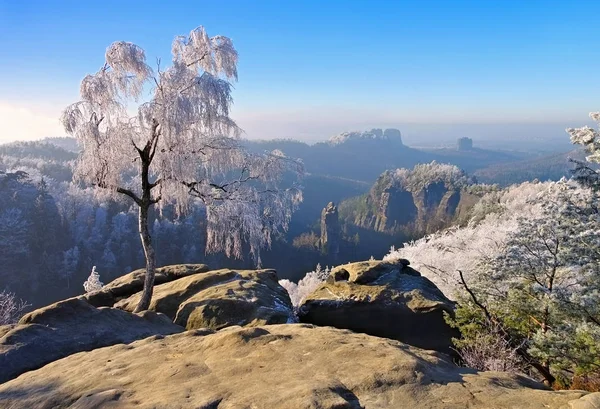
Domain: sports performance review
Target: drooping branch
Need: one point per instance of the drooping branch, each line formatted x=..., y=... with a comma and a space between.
x=585, y=174
x=200, y=59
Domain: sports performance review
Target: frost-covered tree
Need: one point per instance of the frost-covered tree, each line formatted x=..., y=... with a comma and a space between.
x=587, y=173
x=70, y=263
x=524, y=271
x=542, y=289
x=93, y=282
x=10, y=308
x=13, y=234
x=306, y=286
x=181, y=145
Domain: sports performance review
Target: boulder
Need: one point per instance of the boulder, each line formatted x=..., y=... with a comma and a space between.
x=133, y=282
x=68, y=327
x=279, y=366
x=388, y=300
x=221, y=298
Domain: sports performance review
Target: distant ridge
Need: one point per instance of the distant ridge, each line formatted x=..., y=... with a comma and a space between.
x=389, y=134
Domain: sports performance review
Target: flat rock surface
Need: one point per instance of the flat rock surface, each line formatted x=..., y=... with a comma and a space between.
x=221, y=298
x=389, y=300
x=68, y=327
x=273, y=367
x=133, y=282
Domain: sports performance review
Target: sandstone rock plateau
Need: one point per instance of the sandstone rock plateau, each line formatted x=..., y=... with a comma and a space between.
x=68, y=327
x=87, y=353
x=279, y=366
x=220, y=298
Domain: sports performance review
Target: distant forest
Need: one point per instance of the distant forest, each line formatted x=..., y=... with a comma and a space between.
x=52, y=232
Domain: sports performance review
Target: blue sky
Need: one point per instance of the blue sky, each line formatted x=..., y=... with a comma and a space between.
x=309, y=69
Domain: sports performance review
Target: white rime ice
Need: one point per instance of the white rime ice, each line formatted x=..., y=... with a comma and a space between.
x=93, y=282
x=181, y=146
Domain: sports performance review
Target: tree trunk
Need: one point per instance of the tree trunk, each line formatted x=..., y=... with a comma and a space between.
x=150, y=259
x=146, y=156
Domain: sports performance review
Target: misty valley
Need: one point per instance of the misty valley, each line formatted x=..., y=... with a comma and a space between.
x=383, y=193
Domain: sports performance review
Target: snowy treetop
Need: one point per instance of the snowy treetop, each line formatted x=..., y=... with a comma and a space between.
x=181, y=145
x=375, y=133
x=425, y=174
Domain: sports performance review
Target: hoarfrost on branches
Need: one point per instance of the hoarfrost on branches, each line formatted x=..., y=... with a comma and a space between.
x=306, y=286
x=93, y=282
x=181, y=147
x=440, y=255
x=491, y=352
x=589, y=139
x=10, y=308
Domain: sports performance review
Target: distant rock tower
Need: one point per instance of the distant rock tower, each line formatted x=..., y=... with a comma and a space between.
x=393, y=135
x=331, y=232
x=465, y=144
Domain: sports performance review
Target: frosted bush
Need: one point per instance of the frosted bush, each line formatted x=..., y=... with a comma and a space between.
x=491, y=352
x=10, y=308
x=93, y=282
x=306, y=286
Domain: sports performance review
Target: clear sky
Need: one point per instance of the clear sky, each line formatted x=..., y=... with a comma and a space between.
x=310, y=69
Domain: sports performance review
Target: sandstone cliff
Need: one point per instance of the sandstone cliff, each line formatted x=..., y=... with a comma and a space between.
x=420, y=200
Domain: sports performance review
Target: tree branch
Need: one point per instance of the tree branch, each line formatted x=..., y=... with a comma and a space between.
x=482, y=307
x=126, y=192
x=520, y=350
x=130, y=193
x=199, y=59
x=156, y=183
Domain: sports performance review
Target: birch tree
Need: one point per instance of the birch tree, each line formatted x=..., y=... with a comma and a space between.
x=180, y=147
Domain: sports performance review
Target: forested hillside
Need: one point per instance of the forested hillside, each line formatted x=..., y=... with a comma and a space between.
x=548, y=167
x=524, y=271
x=88, y=231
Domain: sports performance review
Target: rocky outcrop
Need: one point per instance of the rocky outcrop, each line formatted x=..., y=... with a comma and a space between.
x=465, y=144
x=331, y=231
x=220, y=298
x=281, y=366
x=389, y=300
x=392, y=134
x=437, y=205
x=132, y=283
x=395, y=207
x=417, y=201
x=69, y=327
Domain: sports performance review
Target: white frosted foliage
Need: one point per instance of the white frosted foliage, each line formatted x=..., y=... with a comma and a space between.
x=306, y=286
x=494, y=220
x=93, y=282
x=183, y=134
